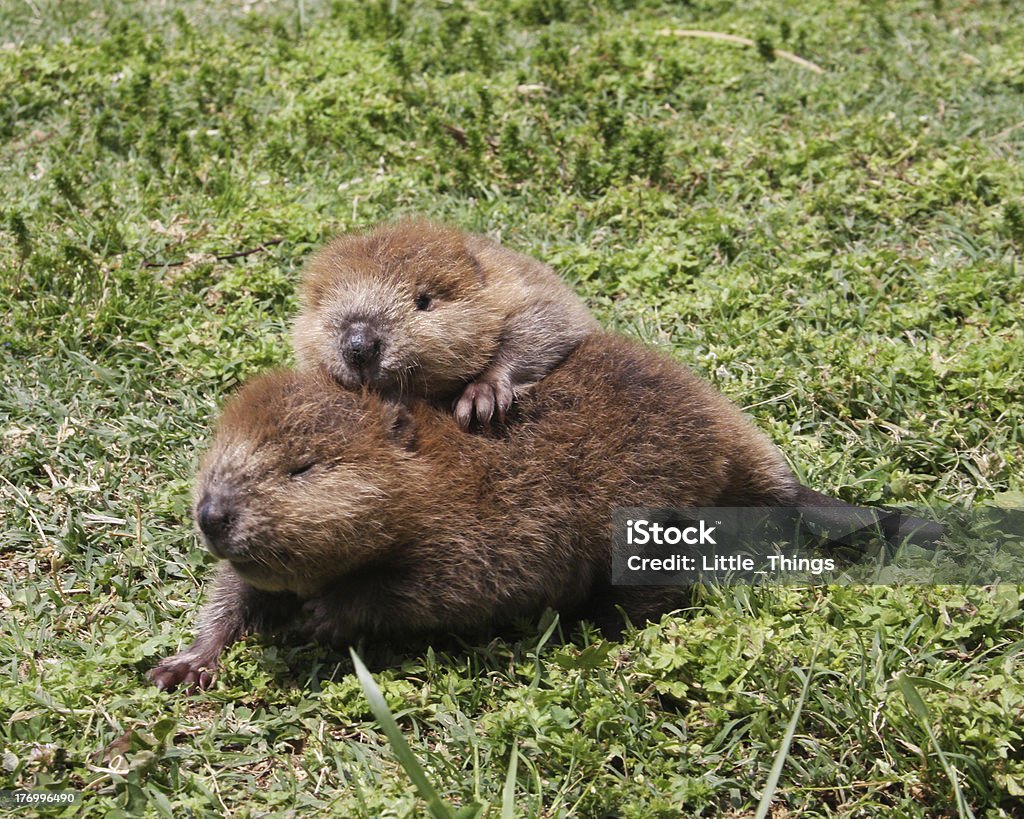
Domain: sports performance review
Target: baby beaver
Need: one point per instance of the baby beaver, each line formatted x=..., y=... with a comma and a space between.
x=419, y=310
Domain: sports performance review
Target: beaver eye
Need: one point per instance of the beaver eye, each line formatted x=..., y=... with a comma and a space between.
x=301, y=470
x=423, y=301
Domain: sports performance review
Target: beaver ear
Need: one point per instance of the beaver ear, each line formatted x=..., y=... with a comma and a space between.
x=401, y=426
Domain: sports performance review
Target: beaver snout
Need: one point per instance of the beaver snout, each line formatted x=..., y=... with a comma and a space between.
x=361, y=346
x=215, y=515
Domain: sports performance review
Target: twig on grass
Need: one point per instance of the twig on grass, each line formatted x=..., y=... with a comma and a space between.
x=459, y=135
x=1006, y=132
x=238, y=254
x=732, y=38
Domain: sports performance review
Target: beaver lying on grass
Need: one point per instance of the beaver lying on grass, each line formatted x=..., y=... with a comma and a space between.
x=346, y=515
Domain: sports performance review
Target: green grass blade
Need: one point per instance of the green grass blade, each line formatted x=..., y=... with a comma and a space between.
x=508, y=793
x=780, y=758
x=437, y=806
x=920, y=709
x=540, y=647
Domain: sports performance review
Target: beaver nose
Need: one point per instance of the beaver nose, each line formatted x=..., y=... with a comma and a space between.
x=214, y=516
x=361, y=345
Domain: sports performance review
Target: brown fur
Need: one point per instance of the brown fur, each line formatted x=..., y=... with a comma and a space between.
x=369, y=518
x=441, y=314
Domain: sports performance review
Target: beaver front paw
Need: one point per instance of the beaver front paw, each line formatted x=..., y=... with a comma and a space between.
x=482, y=399
x=190, y=670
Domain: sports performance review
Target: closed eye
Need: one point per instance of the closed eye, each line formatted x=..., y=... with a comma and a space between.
x=301, y=470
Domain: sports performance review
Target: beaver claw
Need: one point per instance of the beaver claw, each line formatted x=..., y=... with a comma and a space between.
x=190, y=672
x=482, y=398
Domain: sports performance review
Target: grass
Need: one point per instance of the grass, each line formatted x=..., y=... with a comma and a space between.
x=839, y=252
